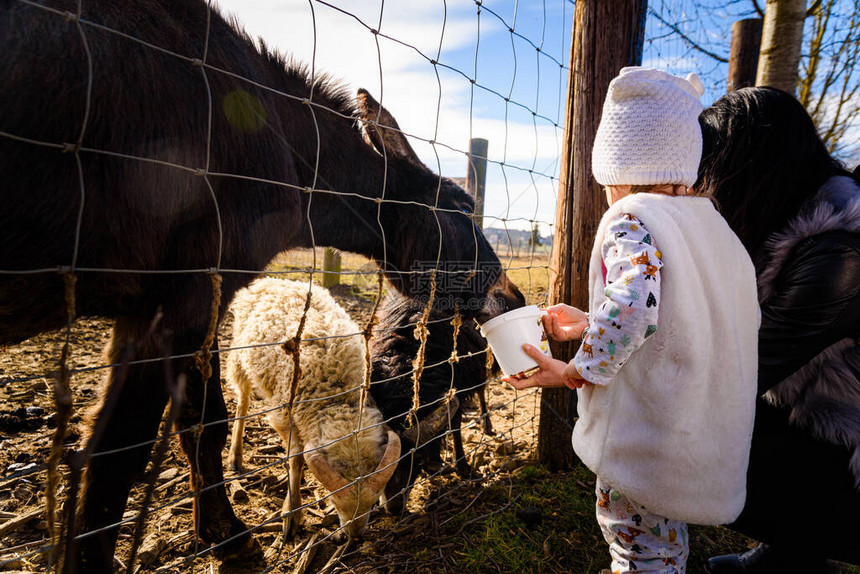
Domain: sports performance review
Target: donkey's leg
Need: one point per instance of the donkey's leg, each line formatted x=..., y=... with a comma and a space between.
x=131, y=409
x=485, y=412
x=463, y=467
x=203, y=422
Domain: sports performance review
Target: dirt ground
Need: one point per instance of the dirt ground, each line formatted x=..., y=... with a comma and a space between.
x=27, y=421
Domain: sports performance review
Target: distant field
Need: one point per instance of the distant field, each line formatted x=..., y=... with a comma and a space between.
x=530, y=271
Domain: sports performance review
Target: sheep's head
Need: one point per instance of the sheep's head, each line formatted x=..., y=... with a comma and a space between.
x=353, y=500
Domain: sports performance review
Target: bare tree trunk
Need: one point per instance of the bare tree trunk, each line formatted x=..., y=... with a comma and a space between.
x=607, y=35
x=781, y=42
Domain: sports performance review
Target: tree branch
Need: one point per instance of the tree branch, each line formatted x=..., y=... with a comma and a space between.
x=816, y=39
x=757, y=8
x=687, y=39
x=814, y=8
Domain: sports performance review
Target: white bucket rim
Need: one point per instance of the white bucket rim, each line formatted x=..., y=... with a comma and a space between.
x=521, y=313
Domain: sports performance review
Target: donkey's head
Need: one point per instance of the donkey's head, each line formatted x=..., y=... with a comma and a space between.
x=431, y=239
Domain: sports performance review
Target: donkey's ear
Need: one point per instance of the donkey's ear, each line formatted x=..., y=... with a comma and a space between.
x=376, y=120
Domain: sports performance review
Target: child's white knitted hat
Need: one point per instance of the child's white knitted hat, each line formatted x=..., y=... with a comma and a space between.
x=649, y=133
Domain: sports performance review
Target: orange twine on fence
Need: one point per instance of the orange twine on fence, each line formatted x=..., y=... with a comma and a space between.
x=490, y=361
x=420, y=334
x=63, y=405
x=293, y=348
x=203, y=362
x=368, y=334
x=457, y=321
x=203, y=357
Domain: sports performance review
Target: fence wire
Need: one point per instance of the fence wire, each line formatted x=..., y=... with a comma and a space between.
x=504, y=67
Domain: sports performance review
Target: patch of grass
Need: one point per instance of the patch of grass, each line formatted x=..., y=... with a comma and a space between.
x=564, y=540
x=492, y=537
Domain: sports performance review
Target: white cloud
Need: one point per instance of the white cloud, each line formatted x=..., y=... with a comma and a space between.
x=848, y=148
x=342, y=43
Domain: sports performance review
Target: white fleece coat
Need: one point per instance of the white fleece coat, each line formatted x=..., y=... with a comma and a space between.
x=672, y=431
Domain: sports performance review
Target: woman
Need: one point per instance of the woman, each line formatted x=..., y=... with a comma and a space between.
x=797, y=211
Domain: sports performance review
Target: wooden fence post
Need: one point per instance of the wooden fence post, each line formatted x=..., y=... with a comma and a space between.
x=607, y=36
x=476, y=176
x=743, y=54
x=331, y=268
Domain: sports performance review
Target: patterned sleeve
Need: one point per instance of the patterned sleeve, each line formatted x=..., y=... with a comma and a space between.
x=628, y=314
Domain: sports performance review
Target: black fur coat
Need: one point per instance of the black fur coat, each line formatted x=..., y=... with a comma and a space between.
x=809, y=290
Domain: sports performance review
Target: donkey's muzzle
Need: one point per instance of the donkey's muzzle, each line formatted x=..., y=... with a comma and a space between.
x=502, y=296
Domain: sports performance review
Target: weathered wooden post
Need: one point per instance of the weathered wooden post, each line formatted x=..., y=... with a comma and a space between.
x=607, y=36
x=476, y=175
x=743, y=54
x=331, y=268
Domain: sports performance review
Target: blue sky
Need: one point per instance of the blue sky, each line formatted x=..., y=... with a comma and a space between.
x=517, y=102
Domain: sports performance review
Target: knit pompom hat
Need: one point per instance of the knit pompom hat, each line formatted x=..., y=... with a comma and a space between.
x=649, y=133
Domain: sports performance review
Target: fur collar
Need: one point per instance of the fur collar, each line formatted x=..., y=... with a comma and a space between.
x=835, y=206
x=824, y=395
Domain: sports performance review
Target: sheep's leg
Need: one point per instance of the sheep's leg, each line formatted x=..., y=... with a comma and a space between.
x=463, y=467
x=291, y=509
x=485, y=412
x=240, y=382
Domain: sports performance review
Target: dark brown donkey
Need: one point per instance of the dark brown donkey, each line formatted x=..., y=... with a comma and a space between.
x=94, y=125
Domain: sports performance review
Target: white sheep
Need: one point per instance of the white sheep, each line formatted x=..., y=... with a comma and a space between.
x=323, y=428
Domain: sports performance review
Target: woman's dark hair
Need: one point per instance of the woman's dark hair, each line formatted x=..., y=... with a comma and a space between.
x=761, y=159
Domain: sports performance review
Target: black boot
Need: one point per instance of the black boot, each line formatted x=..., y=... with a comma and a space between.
x=764, y=559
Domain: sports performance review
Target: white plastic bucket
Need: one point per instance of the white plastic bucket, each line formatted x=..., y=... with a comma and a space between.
x=507, y=333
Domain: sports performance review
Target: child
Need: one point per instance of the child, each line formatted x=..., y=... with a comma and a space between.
x=667, y=365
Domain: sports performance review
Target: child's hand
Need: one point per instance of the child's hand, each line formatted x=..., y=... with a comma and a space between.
x=572, y=378
x=549, y=374
x=564, y=323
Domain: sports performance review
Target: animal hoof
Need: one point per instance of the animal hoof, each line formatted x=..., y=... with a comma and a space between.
x=289, y=532
x=464, y=469
x=396, y=505
x=237, y=565
x=488, y=428
x=432, y=467
x=243, y=548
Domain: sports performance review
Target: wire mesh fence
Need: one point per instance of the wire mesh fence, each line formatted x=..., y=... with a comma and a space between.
x=119, y=151
x=161, y=157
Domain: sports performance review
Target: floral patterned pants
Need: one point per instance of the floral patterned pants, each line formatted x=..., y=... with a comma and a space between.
x=640, y=541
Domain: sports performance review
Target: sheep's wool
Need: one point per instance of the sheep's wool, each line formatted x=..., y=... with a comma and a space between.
x=327, y=405
x=649, y=132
